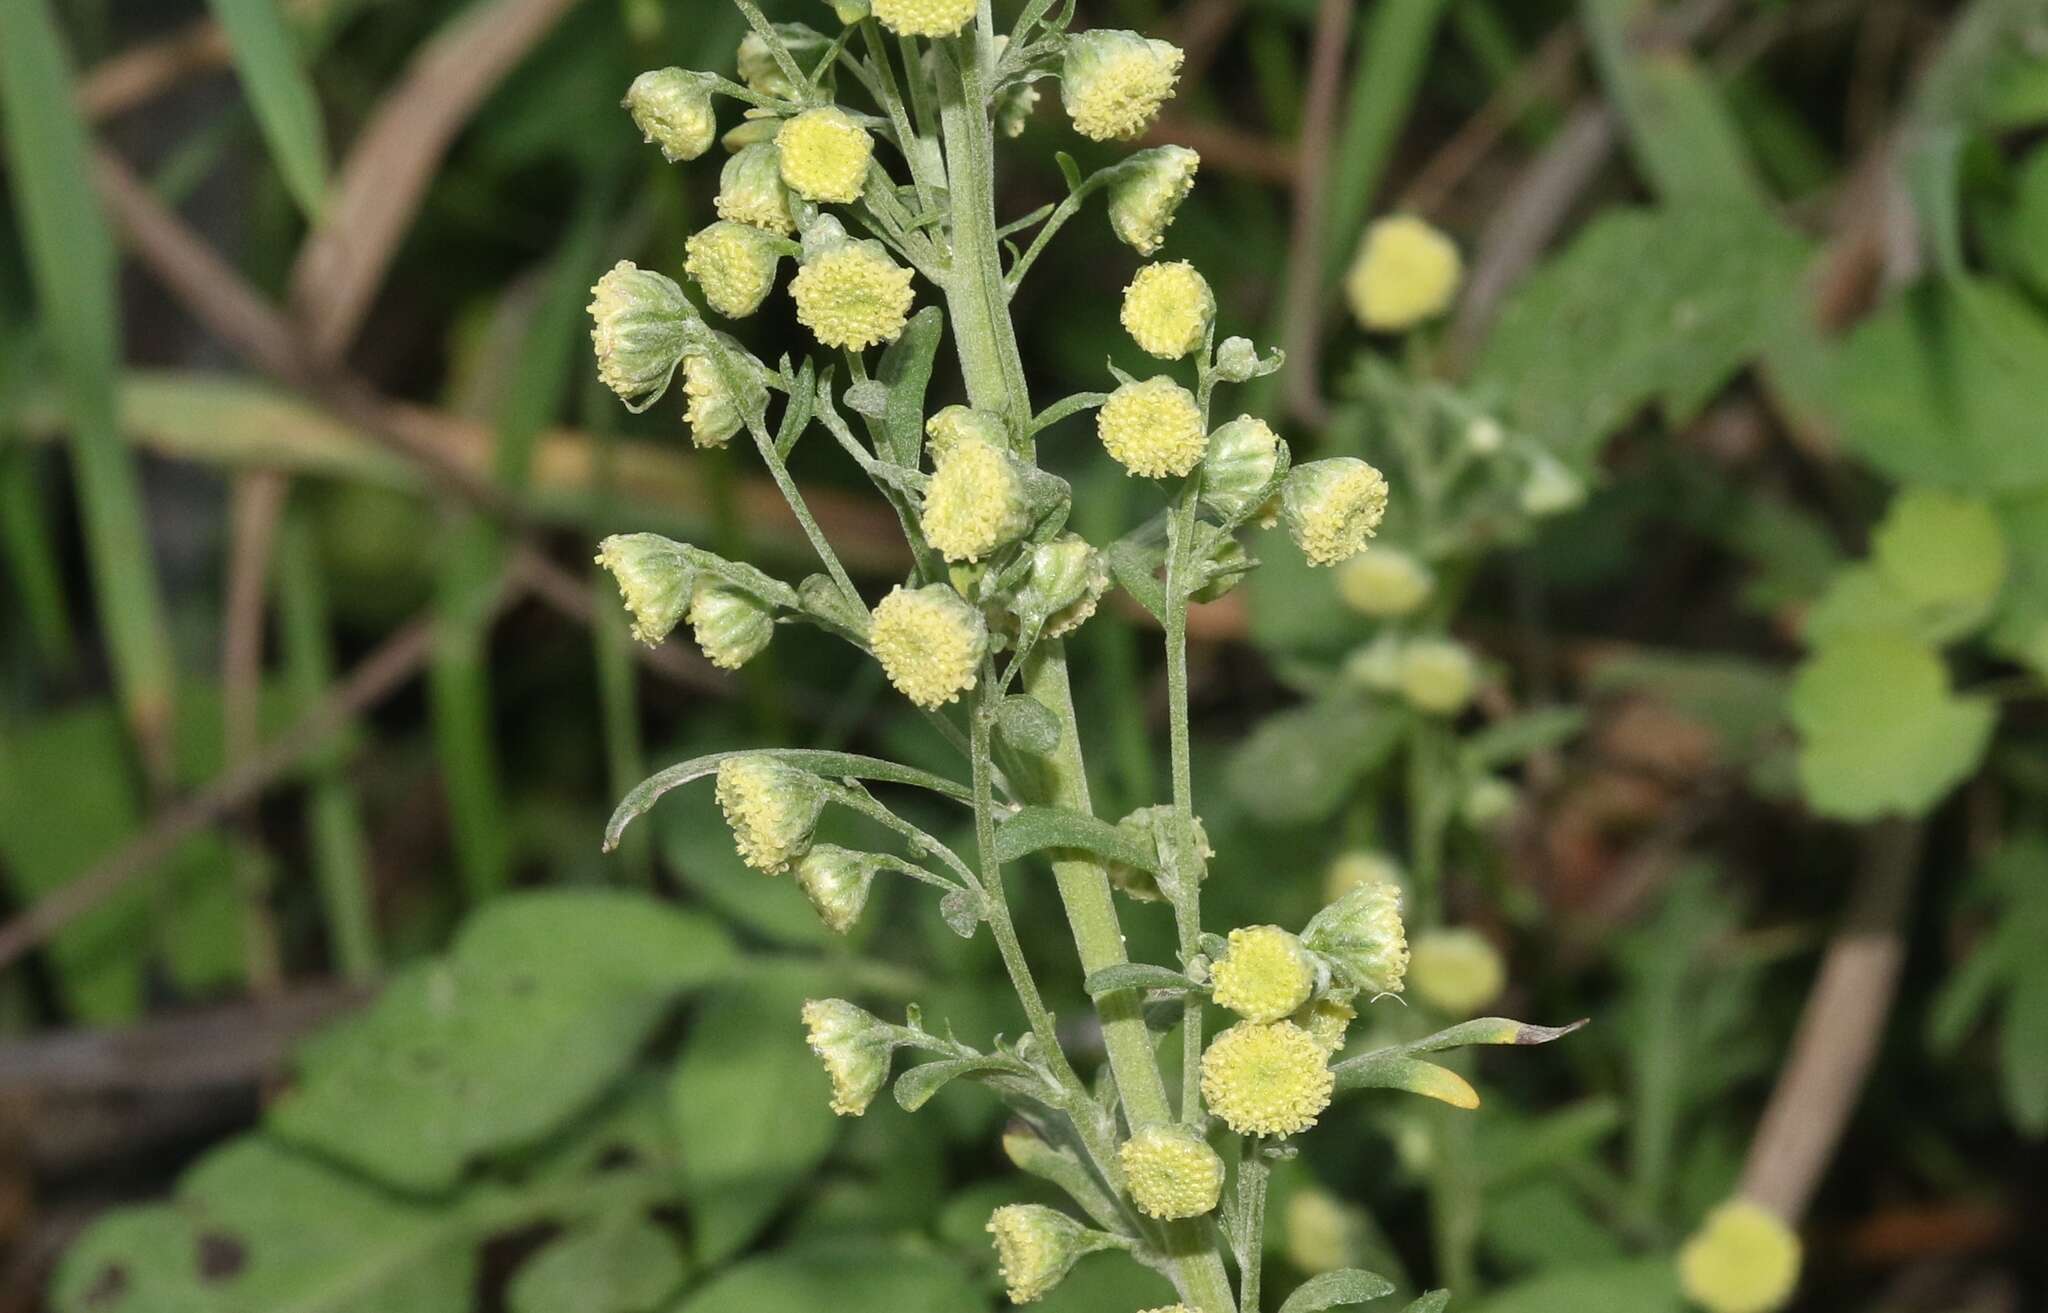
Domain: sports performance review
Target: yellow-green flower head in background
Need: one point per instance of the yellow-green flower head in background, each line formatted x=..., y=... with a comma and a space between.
x=1243, y=457
x=924, y=17
x=1323, y=1232
x=1363, y=939
x=1267, y=1078
x=1327, y=1020
x=836, y=880
x=930, y=642
x=761, y=71
x=771, y=807
x=1169, y=309
x=732, y=626
x=1153, y=428
x=1333, y=507
x=1357, y=868
x=751, y=190
x=655, y=579
x=956, y=424
x=1487, y=801
x=825, y=154
x=1743, y=1260
x=1172, y=1172
x=1376, y=665
x=1063, y=586
x=734, y=264
x=1550, y=489
x=1035, y=1247
x=1264, y=974
x=1405, y=272
x=1385, y=583
x=1456, y=971
x=1145, y=194
x=850, y=294
x=855, y=1048
x=1113, y=83
x=1438, y=676
x=672, y=109
x=976, y=502
x=638, y=319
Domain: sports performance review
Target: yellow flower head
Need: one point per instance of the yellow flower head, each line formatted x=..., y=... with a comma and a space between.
x=1267, y=1078
x=1035, y=1248
x=1243, y=457
x=1743, y=1260
x=1169, y=309
x=1172, y=1172
x=672, y=109
x=1456, y=971
x=930, y=643
x=1362, y=938
x=730, y=625
x=637, y=318
x=852, y=295
x=1264, y=974
x=924, y=17
x=1385, y=582
x=1550, y=489
x=1333, y=507
x=1405, y=272
x=855, y=1048
x=654, y=578
x=1153, y=428
x=1487, y=801
x=836, y=880
x=957, y=424
x=825, y=155
x=751, y=190
x=976, y=502
x=1358, y=867
x=1438, y=676
x=1145, y=195
x=772, y=809
x=735, y=265
x=1113, y=83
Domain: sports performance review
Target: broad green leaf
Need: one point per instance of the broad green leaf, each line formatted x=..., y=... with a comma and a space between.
x=1880, y=730
x=2022, y=628
x=1645, y=1285
x=867, y=1275
x=1336, y=1289
x=1300, y=765
x=1681, y=133
x=618, y=1264
x=1036, y=829
x=267, y=61
x=1946, y=554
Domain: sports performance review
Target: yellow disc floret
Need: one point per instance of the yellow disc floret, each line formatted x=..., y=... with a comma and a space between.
x=930, y=643
x=1743, y=1260
x=1264, y=974
x=655, y=579
x=1405, y=272
x=1333, y=507
x=1267, y=1078
x=1035, y=1247
x=924, y=17
x=975, y=503
x=735, y=266
x=825, y=154
x=1153, y=428
x=672, y=109
x=772, y=809
x=1113, y=83
x=855, y=1048
x=1172, y=1172
x=1145, y=194
x=852, y=295
x=1169, y=309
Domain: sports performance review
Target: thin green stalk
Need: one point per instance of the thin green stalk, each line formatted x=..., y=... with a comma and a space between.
x=1187, y=895
x=1253, y=1176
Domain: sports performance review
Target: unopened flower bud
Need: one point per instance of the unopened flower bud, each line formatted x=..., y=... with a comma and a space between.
x=924, y=17
x=1489, y=800
x=1485, y=436
x=1223, y=565
x=1066, y=582
x=1743, y=1260
x=1327, y=1020
x=1238, y=361
x=771, y=807
x=1438, y=676
x=836, y=880
x=1172, y=1172
x=849, y=12
x=1376, y=666
x=855, y=1047
x=1323, y=1232
x=930, y=642
x=672, y=109
x=735, y=265
x=976, y=502
x=1264, y=975
x=850, y=294
x=751, y=190
x=638, y=319
x=1169, y=309
x=761, y=70
x=1243, y=457
x=1014, y=103
x=1155, y=829
x=1405, y=272
x=731, y=626
x=655, y=579
x=1457, y=971
x=1550, y=488
x=1153, y=428
x=1145, y=195
x=1035, y=1248
x=825, y=155
x=955, y=424
x=1357, y=868
x=1362, y=938
x=1113, y=83
x=1384, y=582
x=1266, y=1078
x=714, y=411
x=1333, y=507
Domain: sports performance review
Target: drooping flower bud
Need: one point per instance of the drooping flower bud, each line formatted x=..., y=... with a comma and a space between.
x=1405, y=272
x=924, y=17
x=1457, y=971
x=849, y=293
x=976, y=501
x=731, y=626
x=1327, y=1019
x=930, y=642
x=1264, y=975
x=1362, y=939
x=1113, y=83
x=1385, y=583
x=1243, y=457
x=735, y=266
x=1266, y=1078
x=825, y=155
x=1035, y=1248
x=1065, y=582
x=855, y=1047
x=955, y=424
x=1145, y=194
x=1169, y=309
x=761, y=70
x=713, y=411
x=751, y=190
x=1153, y=428
x=1156, y=829
x=1171, y=1171
x=771, y=807
x=1744, y=1259
x=1014, y=103
x=1357, y=868
x=836, y=880
x=638, y=318
x=1438, y=676
x=1550, y=489
x=1333, y=507
x=672, y=109
x=655, y=579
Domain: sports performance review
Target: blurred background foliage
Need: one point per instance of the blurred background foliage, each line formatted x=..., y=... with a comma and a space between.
x=309, y=698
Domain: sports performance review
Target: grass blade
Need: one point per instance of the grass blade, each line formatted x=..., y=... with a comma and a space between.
x=31, y=557
x=267, y=60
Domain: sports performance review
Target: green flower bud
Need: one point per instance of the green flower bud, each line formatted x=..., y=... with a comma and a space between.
x=976, y=502
x=672, y=109
x=1154, y=828
x=1244, y=455
x=1014, y=103
x=1323, y=1232
x=1266, y=1078
x=1222, y=562
x=930, y=643
x=849, y=293
x=1264, y=974
x=1743, y=1260
x=836, y=880
x=732, y=627
x=751, y=191
x=735, y=266
x=771, y=808
x=1457, y=971
x=1333, y=507
x=924, y=17
x=1357, y=868
x=1153, y=428
x=1237, y=361
x=1405, y=272
x=1488, y=801
x=1036, y=1246
x=1362, y=939
x=1385, y=583
x=854, y=1046
x=761, y=71
x=825, y=155
x=1550, y=489
x=655, y=579
x=713, y=412
x=1169, y=309
x=1172, y=1172
x=1484, y=436
x=638, y=320
x=1327, y=1019
x=955, y=424
x=1065, y=582
x=1113, y=83
x=1145, y=195
x=1438, y=676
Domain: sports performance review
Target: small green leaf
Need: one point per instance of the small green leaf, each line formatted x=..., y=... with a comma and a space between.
x=1332, y=1289
x=1028, y=725
x=1434, y=1302
x=962, y=911
x=916, y=1086
x=1136, y=975
x=906, y=371
x=1396, y=1071
x=1300, y=765
x=1945, y=553
x=1036, y=829
x=619, y=1264
x=267, y=61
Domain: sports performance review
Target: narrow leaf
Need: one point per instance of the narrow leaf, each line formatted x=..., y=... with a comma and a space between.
x=1035, y=829
x=1346, y=1286
x=915, y=1087
x=280, y=93
x=1397, y=1071
x=1434, y=1302
x=833, y=765
x=1136, y=975
x=906, y=370
x=1490, y=1030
